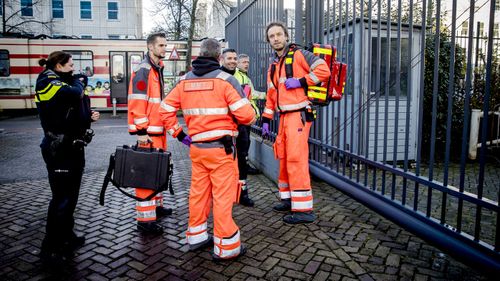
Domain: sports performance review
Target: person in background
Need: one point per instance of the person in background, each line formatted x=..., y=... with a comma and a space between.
x=65, y=116
x=144, y=97
x=229, y=61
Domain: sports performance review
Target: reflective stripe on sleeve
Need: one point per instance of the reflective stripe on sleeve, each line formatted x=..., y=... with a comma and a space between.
x=140, y=120
x=168, y=108
x=237, y=105
x=282, y=80
x=155, y=129
x=270, y=85
x=268, y=111
x=137, y=97
x=314, y=78
x=315, y=64
x=154, y=100
x=132, y=127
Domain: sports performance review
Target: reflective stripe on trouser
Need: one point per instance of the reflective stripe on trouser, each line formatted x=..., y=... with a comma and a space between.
x=197, y=234
x=146, y=210
x=294, y=165
x=159, y=200
x=227, y=247
x=214, y=173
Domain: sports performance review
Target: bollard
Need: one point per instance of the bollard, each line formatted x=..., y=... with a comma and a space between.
x=114, y=107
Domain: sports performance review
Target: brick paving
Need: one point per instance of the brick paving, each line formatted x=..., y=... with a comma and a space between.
x=347, y=242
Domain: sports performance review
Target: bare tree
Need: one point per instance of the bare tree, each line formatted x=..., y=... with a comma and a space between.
x=13, y=19
x=179, y=19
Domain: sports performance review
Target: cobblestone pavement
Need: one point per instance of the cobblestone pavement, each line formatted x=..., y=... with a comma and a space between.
x=347, y=242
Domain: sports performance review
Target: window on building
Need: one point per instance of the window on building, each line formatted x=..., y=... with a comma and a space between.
x=465, y=28
x=112, y=10
x=83, y=62
x=4, y=63
x=1, y=8
x=85, y=10
x=26, y=8
x=393, y=62
x=57, y=9
x=83, y=36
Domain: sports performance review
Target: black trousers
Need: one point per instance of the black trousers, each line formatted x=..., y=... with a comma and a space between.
x=242, y=147
x=65, y=169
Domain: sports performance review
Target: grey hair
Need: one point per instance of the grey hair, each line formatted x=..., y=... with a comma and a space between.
x=243, y=56
x=210, y=48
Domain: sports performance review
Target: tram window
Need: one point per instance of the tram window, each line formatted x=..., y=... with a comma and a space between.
x=118, y=69
x=83, y=61
x=4, y=63
x=135, y=60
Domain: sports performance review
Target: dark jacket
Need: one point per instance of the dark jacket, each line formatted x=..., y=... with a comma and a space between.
x=62, y=105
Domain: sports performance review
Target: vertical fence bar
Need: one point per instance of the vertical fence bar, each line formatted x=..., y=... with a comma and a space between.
x=420, y=103
x=377, y=89
x=451, y=90
x=398, y=95
x=409, y=100
x=387, y=90
x=484, y=128
x=345, y=57
x=435, y=94
x=369, y=88
x=299, y=31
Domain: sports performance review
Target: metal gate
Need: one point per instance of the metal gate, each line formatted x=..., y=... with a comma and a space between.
x=398, y=140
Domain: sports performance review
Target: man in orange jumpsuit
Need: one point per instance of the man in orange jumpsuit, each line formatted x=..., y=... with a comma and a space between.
x=287, y=96
x=211, y=101
x=144, y=97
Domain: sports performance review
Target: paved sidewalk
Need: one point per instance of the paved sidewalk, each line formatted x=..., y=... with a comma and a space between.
x=347, y=242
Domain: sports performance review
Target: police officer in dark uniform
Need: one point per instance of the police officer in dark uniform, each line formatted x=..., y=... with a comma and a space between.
x=65, y=116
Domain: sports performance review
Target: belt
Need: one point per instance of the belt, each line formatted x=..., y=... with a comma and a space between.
x=212, y=144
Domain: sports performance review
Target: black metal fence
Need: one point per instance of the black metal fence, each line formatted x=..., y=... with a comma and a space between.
x=397, y=141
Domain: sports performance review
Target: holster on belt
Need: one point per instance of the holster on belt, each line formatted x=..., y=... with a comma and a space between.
x=228, y=142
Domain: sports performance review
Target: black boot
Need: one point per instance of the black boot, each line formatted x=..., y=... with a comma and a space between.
x=299, y=217
x=252, y=171
x=162, y=212
x=284, y=206
x=74, y=243
x=245, y=200
x=151, y=227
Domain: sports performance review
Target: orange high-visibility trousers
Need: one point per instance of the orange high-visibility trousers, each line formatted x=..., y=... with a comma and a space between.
x=214, y=181
x=146, y=210
x=292, y=150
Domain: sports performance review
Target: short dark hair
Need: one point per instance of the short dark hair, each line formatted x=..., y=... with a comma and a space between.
x=152, y=37
x=276, y=23
x=228, y=50
x=57, y=57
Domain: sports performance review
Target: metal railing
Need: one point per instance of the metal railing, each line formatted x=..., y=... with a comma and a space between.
x=398, y=140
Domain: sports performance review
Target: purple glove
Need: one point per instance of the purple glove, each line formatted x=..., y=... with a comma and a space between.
x=187, y=140
x=265, y=130
x=292, y=83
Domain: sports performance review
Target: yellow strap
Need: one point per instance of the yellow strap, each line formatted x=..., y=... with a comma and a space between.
x=316, y=95
x=288, y=60
x=49, y=94
x=323, y=51
x=317, y=88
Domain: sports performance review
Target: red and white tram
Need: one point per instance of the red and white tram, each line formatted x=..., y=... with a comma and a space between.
x=108, y=64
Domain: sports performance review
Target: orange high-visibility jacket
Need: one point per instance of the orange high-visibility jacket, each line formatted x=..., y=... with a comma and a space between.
x=144, y=96
x=210, y=104
x=308, y=68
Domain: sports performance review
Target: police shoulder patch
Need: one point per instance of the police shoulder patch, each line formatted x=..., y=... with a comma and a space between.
x=56, y=83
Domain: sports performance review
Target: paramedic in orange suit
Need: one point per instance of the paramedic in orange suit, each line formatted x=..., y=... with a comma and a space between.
x=287, y=97
x=211, y=101
x=144, y=97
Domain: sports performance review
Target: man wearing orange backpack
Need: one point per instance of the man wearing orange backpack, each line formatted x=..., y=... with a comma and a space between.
x=292, y=70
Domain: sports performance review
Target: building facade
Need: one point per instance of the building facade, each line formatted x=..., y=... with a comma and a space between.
x=106, y=19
